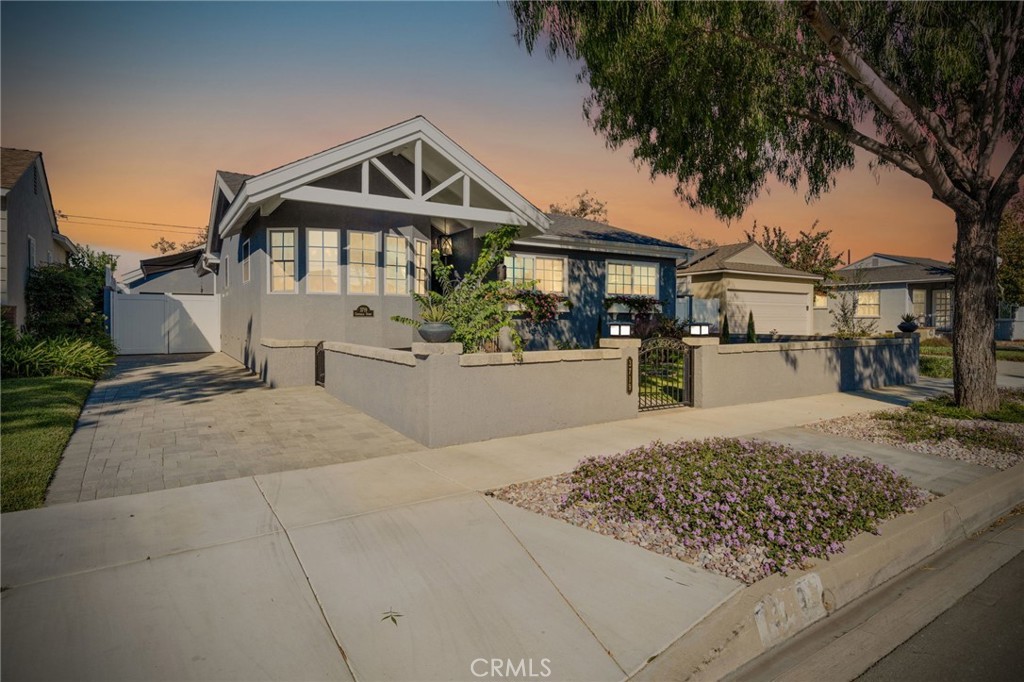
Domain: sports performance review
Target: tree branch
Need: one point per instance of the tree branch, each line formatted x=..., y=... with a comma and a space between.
x=897, y=158
x=1008, y=183
x=893, y=107
x=995, y=97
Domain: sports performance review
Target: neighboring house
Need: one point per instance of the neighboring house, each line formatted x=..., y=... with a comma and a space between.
x=174, y=273
x=744, y=278
x=329, y=247
x=887, y=287
x=28, y=227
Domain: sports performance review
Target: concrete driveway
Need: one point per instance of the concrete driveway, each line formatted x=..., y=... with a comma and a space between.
x=175, y=420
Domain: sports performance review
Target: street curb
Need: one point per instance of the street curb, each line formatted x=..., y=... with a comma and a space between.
x=775, y=609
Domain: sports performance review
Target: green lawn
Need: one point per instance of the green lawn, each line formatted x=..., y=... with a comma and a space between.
x=938, y=366
x=37, y=417
x=1001, y=353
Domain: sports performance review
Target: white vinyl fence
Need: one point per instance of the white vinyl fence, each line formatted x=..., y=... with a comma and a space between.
x=165, y=323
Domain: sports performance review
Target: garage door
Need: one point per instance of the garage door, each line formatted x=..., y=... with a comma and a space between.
x=164, y=323
x=785, y=313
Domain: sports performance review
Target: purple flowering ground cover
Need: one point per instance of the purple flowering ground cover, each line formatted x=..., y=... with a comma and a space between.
x=742, y=508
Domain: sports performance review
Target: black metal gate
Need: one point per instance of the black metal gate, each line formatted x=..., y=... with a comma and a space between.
x=319, y=371
x=666, y=375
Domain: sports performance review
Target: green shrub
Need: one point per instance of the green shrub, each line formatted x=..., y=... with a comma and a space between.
x=725, y=329
x=1011, y=408
x=751, y=331
x=26, y=356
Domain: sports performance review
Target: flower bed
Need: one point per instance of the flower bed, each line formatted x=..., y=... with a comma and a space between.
x=744, y=509
x=936, y=427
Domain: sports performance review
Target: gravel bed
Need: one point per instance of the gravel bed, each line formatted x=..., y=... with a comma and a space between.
x=866, y=427
x=544, y=496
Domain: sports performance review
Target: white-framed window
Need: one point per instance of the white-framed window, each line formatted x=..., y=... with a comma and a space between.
x=632, y=279
x=282, y=261
x=362, y=262
x=323, y=265
x=942, y=308
x=820, y=300
x=421, y=266
x=919, y=302
x=868, y=304
x=245, y=261
x=396, y=265
x=31, y=251
x=548, y=272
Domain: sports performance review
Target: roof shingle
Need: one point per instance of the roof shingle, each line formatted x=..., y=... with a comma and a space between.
x=13, y=164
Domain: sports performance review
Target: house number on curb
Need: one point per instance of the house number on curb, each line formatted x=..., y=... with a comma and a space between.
x=362, y=311
x=629, y=376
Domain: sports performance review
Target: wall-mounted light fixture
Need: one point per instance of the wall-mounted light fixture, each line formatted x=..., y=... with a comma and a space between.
x=700, y=329
x=619, y=329
x=444, y=244
x=501, y=272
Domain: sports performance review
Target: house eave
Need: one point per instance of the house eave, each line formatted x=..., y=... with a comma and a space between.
x=728, y=271
x=597, y=246
x=933, y=280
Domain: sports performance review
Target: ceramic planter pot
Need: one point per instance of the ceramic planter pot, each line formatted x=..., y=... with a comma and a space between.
x=436, y=332
x=907, y=327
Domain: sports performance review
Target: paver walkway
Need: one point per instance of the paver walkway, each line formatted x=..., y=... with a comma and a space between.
x=174, y=420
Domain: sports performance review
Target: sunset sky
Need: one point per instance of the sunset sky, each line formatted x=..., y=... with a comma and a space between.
x=135, y=105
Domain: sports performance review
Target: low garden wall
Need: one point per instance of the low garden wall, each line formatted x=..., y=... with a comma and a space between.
x=755, y=372
x=437, y=396
x=287, y=362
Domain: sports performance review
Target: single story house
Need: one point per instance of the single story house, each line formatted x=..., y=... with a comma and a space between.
x=744, y=278
x=28, y=227
x=174, y=273
x=330, y=247
x=887, y=287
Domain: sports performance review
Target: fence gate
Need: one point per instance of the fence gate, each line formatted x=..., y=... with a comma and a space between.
x=319, y=369
x=666, y=375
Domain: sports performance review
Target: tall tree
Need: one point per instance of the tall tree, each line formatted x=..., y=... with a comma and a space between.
x=693, y=240
x=1011, y=253
x=164, y=245
x=810, y=251
x=723, y=96
x=583, y=205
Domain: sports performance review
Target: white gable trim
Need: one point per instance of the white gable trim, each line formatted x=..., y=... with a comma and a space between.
x=290, y=178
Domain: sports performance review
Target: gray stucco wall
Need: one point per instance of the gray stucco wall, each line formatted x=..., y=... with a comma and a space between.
x=438, y=399
x=745, y=373
x=28, y=213
x=185, y=281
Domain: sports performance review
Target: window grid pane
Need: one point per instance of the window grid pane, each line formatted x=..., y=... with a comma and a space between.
x=645, y=280
x=396, y=265
x=282, y=260
x=322, y=262
x=620, y=279
x=549, y=275
x=422, y=273
x=867, y=304
x=362, y=263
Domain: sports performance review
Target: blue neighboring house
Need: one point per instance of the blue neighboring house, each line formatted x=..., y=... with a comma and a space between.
x=329, y=247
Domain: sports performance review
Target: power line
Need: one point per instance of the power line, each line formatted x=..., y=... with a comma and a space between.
x=192, y=230
x=61, y=215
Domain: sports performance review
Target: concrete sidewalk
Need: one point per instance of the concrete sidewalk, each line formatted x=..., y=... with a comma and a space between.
x=289, y=575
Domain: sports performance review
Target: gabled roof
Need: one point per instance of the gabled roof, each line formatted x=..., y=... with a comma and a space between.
x=580, y=233
x=912, y=269
x=233, y=181
x=172, y=261
x=729, y=258
x=13, y=164
x=292, y=181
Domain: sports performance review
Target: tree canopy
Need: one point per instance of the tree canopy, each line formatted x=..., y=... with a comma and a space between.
x=722, y=97
x=1011, y=253
x=164, y=245
x=810, y=251
x=583, y=205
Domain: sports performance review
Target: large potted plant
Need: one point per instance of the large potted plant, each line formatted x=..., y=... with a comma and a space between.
x=434, y=324
x=908, y=324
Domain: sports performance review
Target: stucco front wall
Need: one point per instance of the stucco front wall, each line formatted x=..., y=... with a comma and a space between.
x=746, y=373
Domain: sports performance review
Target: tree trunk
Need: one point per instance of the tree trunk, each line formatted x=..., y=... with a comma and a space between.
x=974, y=313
